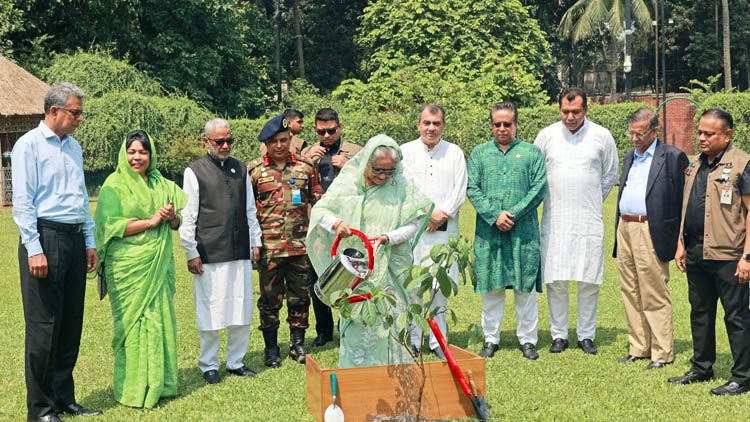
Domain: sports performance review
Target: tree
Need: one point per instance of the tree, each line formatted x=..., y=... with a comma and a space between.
x=603, y=18
x=10, y=20
x=725, y=37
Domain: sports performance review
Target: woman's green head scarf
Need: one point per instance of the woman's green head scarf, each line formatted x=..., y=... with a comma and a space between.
x=373, y=210
x=126, y=196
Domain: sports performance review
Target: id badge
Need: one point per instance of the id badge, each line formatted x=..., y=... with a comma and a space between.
x=726, y=194
x=297, y=198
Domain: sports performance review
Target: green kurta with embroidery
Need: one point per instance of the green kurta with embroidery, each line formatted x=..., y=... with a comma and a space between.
x=513, y=181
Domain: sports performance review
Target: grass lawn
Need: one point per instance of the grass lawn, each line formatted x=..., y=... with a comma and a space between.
x=568, y=386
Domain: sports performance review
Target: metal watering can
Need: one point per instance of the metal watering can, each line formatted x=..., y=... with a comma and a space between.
x=345, y=272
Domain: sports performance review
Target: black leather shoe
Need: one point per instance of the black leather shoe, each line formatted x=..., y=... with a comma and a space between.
x=46, y=418
x=242, y=371
x=415, y=350
x=488, y=350
x=212, y=376
x=529, y=351
x=657, y=365
x=272, y=357
x=588, y=346
x=297, y=349
x=558, y=345
x=691, y=376
x=75, y=409
x=321, y=340
x=631, y=358
x=438, y=352
x=732, y=388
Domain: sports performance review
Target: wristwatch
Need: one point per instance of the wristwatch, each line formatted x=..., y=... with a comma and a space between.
x=746, y=257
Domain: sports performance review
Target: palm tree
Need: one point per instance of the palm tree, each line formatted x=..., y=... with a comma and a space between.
x=603, y=18
x=725, y=31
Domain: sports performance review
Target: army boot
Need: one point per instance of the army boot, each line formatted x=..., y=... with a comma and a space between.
x=297, y=349
x=272, y=352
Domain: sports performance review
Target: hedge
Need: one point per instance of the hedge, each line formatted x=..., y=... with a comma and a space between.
x=738, y=105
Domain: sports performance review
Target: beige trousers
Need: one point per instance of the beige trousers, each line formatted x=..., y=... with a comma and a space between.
x=643, y=282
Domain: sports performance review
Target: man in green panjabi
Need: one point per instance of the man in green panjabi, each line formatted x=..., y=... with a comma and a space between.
x=507, y=182
x=371, y=195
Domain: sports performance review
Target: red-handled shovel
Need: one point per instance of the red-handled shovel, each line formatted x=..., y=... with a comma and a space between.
x=480, y=406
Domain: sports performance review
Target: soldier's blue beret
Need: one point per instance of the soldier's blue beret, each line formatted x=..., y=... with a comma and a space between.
x=272, y=127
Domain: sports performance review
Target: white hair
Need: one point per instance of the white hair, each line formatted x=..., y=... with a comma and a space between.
x=384, y=151
x=59, y=94
x=214, y=124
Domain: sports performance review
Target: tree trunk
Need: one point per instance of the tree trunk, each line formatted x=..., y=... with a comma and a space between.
x=725, y=31
x=298, y=35
x=613, y=71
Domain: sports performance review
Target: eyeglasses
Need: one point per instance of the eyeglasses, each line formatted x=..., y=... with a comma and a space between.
x=502, y=124
x=378, y=170
x=639, y=135
x=220, y=142
x=75, y=113
x=330, y=131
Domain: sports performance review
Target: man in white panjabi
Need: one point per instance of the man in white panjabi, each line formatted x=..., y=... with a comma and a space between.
x=438, y=169
x=221, y=236
x=582, y=167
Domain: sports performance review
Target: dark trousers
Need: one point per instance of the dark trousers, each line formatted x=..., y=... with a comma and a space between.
x=53, y=312
x=323, y=315
x=288, y=276
x=709, y=281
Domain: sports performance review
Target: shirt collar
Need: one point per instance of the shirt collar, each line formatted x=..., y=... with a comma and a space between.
x=510, y=145
x=717, y=159
x=649, y=151
x=580, y=129
x=48, y=133
x=427, y=149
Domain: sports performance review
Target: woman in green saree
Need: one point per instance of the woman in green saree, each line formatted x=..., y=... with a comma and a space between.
x=371, y=195
x=136, y=209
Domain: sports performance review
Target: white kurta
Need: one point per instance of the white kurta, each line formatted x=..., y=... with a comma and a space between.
x=224, y=292
x=440, y=174
x=582, y=168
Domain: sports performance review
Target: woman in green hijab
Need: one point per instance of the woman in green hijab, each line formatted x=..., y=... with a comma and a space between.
x=371, y=195
x=136, y=209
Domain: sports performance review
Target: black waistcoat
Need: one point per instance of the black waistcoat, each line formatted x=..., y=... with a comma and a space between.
x=221, y=231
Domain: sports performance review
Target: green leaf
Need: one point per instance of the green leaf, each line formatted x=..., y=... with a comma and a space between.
x=435, y=252
x=382, y=331
x=369, y=314
x=445, y=282
x=401, y=320
x=422, y=323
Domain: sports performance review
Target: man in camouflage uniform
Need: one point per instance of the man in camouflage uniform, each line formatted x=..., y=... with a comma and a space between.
x=285, y=186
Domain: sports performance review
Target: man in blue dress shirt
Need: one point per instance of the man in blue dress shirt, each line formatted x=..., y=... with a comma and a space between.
x=51, y=209
x=647, y=227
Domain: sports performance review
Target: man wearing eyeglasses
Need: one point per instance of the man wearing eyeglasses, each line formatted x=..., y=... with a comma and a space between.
x=221, y=238
x=57, y=249
x=646, y=230
x=285, y=187
x=506, y=185
x=328, y=156
x=438, y=169
x=582, y=165
x=295, y=121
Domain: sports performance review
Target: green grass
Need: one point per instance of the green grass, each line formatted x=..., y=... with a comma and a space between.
x=568, y=386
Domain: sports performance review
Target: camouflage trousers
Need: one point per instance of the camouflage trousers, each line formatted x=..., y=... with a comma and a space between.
x=290, y=275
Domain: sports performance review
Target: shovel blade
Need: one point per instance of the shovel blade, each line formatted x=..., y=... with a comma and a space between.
x=480, y=408
x=333, y=414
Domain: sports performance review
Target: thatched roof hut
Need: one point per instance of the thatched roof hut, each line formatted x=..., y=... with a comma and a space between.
x=21, y=108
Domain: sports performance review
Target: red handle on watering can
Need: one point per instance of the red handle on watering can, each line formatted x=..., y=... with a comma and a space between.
x=365, y=240
x=449, y=357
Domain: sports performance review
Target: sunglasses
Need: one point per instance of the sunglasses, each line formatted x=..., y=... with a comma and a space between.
x=330, y=131
x=502, y=124
x=378, y=170
x=220, y=142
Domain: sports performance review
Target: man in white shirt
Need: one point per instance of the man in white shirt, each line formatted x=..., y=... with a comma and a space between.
x=582, y=167
x=221, y=237
x=438, y=169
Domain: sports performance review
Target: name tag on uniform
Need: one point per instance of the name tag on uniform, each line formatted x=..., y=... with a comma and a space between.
x=726, y=194
x=296, y=197
x=266, y=179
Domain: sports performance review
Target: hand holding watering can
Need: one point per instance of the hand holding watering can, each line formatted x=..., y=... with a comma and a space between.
x=347, y=269
x=344, y=230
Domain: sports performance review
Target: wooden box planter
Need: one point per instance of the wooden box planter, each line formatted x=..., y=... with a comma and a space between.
x=389, y=390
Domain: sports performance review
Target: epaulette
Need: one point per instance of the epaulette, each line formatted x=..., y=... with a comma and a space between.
x=254, y=163
x=304, y=160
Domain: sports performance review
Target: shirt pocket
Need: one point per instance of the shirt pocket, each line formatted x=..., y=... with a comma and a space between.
x=268, y=193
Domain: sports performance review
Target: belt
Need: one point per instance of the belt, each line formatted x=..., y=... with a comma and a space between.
x=634, y=218
x=59, y=227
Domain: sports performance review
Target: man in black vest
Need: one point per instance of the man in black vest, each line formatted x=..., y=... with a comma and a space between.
x=221, y=238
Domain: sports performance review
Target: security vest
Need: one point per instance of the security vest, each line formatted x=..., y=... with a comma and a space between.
x=724, y=224
x=221, y=230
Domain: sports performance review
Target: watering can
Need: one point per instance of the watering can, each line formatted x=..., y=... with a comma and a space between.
x=345, y=272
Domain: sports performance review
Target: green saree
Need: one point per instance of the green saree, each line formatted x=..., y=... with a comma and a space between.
x=139, y=271
x=373, y=210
